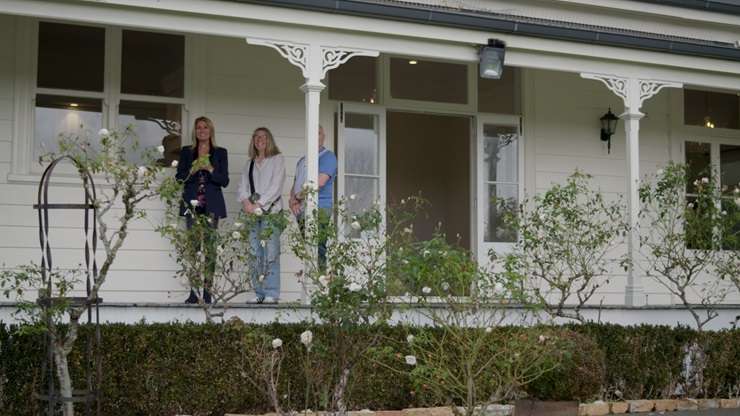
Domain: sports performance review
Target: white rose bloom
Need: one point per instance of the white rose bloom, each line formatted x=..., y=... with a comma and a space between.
x=724, y=212
x=258, y=211
x=277, y=343
x=356, y=225
x=323, y=280
x=542, y=338
x=160, y=148
x=691, y=205
x=103, y=133
x=354, y=287
x=142, y=170
x=236, y=234
x=489, y=330
x=238, y=225
x=307, y=338
x=194, y=202
x=175, y=163
x=704, y=180
x=426, y=253
x=426, y=290
x=410, y=360
x=404, y=261
x=410, y=339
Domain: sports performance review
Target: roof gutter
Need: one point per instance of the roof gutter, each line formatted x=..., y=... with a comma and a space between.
x=503, y=25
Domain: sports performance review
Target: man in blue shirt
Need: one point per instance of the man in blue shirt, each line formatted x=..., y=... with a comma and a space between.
x=327, y=176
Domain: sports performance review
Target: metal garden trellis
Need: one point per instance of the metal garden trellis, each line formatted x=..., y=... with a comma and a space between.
x=75, y=306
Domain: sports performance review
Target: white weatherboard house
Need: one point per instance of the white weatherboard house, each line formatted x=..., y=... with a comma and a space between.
x=396, y=85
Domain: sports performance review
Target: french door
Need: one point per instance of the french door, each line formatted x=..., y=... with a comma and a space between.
x=361, y=179
x=499, y=151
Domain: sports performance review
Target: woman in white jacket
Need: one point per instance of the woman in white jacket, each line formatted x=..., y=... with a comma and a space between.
x=260, y=193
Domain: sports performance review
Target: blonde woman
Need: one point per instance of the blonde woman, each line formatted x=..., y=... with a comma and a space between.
x=203, y=183
x=260, y=193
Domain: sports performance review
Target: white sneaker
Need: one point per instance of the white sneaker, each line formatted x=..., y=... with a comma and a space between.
x=269, y=299
x=255, y=300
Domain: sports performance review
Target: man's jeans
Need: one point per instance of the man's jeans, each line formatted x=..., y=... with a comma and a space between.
x=324, y=222
x=266, y=270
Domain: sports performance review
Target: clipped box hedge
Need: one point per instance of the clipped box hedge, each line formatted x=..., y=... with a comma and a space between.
x=166, y=369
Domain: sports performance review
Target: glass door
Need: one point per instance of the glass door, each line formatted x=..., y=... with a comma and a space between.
x=361, y=154
x=499, y=177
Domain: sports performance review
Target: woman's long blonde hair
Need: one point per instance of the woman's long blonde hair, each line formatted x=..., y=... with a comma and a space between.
x=211, y=128
x=271, y=149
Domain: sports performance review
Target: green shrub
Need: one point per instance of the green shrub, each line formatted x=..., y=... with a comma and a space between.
x=581, y=373
x=186, y=368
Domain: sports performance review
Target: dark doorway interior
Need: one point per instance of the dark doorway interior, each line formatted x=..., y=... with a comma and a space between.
x=430, y=154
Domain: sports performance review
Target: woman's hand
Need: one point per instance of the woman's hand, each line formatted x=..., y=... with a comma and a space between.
x=249, y=207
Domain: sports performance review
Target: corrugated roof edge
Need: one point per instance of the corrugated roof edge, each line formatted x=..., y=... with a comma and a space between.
x=722, y=7
x=481, y=21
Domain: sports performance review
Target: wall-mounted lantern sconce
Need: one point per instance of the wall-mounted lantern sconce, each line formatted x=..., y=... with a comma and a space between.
x=608, y=127
x=492, y=59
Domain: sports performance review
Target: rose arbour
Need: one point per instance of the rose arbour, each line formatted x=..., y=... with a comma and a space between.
x=124, y=185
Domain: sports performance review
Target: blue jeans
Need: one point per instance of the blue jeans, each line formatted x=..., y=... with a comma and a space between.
x=266, y=260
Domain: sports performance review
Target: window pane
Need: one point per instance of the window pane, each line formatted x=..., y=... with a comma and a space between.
x=361, y=144
x=366, y=194
x=354, y=80
x=501, y=199
x=154, y=124
x=699, y=161
x=153, y=64
x=429, y=81
x=500, y=157
x=71, y=57
x=729, y=167
x=57, y=115
x=500, y=96
x=711, y=109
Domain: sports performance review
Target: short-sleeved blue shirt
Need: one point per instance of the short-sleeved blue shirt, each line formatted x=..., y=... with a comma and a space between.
x=327, y=166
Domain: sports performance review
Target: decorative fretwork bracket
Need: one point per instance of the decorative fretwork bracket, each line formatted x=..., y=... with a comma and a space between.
x=633, y=91
x=312, y=59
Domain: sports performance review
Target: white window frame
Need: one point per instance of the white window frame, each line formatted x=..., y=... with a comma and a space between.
x=23, y=166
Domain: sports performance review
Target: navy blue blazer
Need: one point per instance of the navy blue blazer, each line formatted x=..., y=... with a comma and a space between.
x=218, y=179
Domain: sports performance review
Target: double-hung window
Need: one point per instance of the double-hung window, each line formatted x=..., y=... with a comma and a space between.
x=91, y=77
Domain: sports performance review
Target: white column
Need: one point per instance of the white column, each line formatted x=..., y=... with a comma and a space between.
x=313, y=98
x=633, y=295
x=633, y=91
